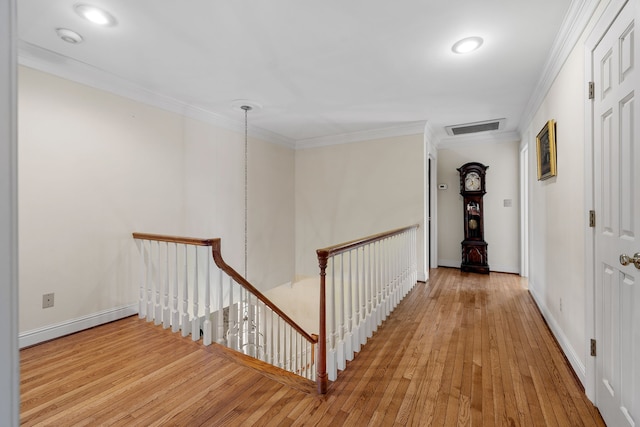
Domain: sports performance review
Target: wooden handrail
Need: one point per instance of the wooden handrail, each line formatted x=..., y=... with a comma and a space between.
x=347, y=246
x=222, y=265
x=215, y=244
x=173, y=239
x=323, y=259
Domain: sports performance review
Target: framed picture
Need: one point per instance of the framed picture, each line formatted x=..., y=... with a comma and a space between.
x=546, y=145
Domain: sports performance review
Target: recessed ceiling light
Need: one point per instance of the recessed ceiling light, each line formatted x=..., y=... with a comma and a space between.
x=95, y=15
x=467, y=45
x=68, y=35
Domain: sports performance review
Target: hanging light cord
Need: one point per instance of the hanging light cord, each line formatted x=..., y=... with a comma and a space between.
x=246, y=109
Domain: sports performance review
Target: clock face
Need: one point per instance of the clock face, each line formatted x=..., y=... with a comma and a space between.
x=472, y=182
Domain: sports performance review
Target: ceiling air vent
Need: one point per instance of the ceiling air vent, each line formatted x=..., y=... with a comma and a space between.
x=476, y=127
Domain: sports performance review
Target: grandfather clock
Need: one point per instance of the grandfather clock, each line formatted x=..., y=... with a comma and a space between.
x=472, y=189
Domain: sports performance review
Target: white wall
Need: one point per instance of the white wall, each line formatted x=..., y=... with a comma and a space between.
x=9, y=358
x=271, y=215
x=95, y=167
x=431, y=242
x=501, y=224
x=353, y=190
x=214, y=168
x=557, y=213
x=557, y=210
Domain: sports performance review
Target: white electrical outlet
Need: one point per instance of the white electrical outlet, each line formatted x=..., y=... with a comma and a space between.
x=47, y=300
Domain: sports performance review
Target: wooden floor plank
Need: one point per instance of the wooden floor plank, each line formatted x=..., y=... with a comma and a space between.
x=464, y=349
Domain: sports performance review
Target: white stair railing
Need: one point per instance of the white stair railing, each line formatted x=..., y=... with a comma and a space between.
x=361, y=282
x=185, y=285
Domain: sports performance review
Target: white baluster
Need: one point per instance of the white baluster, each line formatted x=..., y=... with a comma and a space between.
x=271, y=341
x=357, y=318
x=394, y=273
x=366, y=279
x=382, y=284
x=292, y=350
x=255, y=310
x=150, y=284
x=284, y=351
x=348, y=286
x=175, y=314
x=232, y=334
x=342, y=355
x=399, y=266
x=185, y=294
x=332, y=355
x=387, y=279
x=158, y=307
x=406, y=257
x=302, y=361
x=285, y=346
x=403, y=265
x=363, y=301
x=409, y=263
x=256, y=326
x=300, y=355
x=240, y=319
x=195, y=320
x=264, y=330
x=414, y=257
x=249, y=336
x=221, y=339
x=206, y=327
x=241, y=323
x=277, y=357
x=368, y=285
x=143, y=278
x=378, y=300
x=166, y=311
x=311, y=361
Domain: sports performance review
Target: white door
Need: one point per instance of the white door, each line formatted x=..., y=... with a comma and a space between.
x=616, y=127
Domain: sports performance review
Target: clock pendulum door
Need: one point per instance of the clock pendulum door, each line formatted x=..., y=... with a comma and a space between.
x=472, y=189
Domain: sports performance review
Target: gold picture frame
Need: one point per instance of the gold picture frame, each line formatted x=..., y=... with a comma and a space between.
x=546, y=148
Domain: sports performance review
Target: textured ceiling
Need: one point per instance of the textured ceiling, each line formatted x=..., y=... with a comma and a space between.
x=318, y=69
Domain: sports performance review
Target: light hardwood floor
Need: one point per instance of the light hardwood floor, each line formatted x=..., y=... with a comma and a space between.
x=465, y=349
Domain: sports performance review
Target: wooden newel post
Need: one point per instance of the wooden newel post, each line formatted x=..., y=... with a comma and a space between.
x=322, y=378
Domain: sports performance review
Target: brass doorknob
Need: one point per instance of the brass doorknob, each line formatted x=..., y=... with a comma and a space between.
x=635, y=260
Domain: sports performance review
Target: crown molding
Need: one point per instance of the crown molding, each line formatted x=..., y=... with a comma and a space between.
x=412, y=128
x=50, y=62
x=430, y=135
x=575, y=22
x=58, y=65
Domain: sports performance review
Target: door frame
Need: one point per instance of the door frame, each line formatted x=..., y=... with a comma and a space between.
x=597, y=33
x=524, y=207
x=9, y=355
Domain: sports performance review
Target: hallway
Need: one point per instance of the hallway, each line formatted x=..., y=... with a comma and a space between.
x=467, y=350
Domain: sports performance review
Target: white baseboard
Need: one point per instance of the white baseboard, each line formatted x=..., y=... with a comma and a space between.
x=58, y=330
x=504, y=268
x=570, y=353
x=455, y=263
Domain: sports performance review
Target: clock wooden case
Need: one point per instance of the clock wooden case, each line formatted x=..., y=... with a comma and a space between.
x=472, y=189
